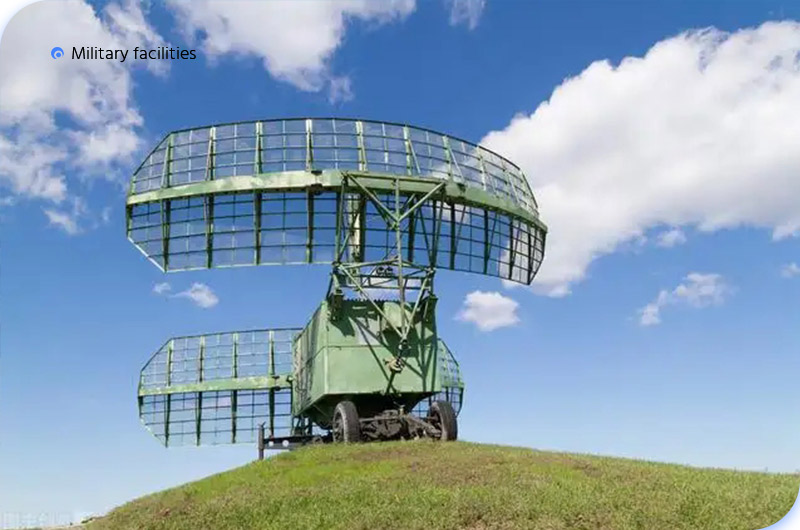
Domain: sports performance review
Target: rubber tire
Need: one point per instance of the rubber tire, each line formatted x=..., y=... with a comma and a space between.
x=351, y=428
x=447, y=420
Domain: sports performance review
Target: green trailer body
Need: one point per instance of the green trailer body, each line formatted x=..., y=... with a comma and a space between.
x=350, y=357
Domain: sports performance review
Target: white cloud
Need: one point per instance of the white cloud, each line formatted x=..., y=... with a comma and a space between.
x=790, y=270
x=161, y=288
x=340, y=90
x=201, y=294
x=74, y=217
x=671, y=238
x=64, y=221
x=467, y=12
x=27, y=166
x=650, y=315
x=489, y=310
x=698, y=290
x=68, y=220
x=59, y=116
x=700, y=132
x=294, y=40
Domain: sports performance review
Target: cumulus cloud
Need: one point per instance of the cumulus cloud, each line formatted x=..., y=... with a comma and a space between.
x=201, y=294
x=294, y=40
x=161, y=288
x=700, y=132
x=467, y=12
x=59, y=116
x=790, y=270
x=489, y=310
x=68, y=220
x=340, y=90
x=74, y=217
x=697, y=290
x=64, y=221
x=671, y=238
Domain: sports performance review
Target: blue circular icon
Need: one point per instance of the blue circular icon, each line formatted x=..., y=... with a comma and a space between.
x=56, y=52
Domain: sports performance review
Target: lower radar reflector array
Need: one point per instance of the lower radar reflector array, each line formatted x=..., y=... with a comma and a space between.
x=385, y=205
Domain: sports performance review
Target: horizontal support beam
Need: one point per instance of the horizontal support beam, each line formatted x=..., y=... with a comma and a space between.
x=331, y=180
x=240, y=383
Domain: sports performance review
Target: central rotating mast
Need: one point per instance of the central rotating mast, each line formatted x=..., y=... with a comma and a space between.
x=395, y=273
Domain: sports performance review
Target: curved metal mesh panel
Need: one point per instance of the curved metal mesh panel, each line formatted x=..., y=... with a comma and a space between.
x=285, y=191
x=452, y=384
x=218, y=388
x=255, y=228
x=275, y=146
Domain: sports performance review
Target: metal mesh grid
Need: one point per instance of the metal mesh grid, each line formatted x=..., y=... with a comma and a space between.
x=256, y=228
x=202, y=415
x=205, y=413
x=220, y=356
x=216, y=417
x=452, y=384
x=251, y=148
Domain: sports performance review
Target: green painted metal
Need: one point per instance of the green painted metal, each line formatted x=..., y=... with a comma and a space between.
x=215, y=388
x=384, y=204
x=250, y=383
x=186, y=401
x=351, y=356
x=258, y=191
x=281, y=145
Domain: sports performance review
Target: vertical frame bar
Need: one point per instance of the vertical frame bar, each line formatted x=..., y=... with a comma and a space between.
x=362, y=153
x=409, y=157
x=452, y=236
x=309, y=226
x=212, y=135
x=486, y=241
x=199, y=409
x=482, y=164
x=412, y=221
x=167, y=169
x=234, y=405
x=449, y=156
x=309, y=153
x=208, y=202
x=259, y=163
x=235, y=366
x=271, y=365
x=512, y=257
x=168, y=404
x=257, y=225
x=261, y=441
x=166, y=209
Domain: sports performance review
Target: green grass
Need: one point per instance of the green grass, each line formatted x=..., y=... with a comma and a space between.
x=428, y=485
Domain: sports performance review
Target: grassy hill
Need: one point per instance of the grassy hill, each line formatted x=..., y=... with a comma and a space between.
x=416, y=485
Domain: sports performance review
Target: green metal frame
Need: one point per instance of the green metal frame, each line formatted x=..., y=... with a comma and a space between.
x=384, y=204
x=322, y=143
x=177, y=412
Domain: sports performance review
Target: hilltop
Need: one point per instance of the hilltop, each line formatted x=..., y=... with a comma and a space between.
x=416, y=485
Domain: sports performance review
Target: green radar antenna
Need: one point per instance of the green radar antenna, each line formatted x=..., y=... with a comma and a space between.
x=385, y=205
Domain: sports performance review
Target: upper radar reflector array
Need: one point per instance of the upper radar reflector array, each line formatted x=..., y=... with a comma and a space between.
x=284, y=191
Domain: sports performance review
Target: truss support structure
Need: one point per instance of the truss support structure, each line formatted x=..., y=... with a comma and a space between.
x=394, y=273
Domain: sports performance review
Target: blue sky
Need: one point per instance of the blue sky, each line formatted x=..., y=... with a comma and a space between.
x=664, y=323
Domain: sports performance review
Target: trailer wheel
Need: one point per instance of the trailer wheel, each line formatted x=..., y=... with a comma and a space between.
x=443, y=417
x=345, y=425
